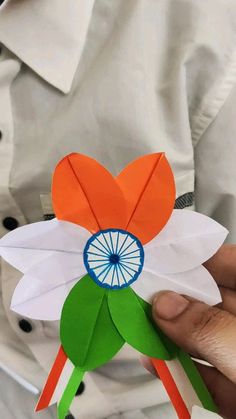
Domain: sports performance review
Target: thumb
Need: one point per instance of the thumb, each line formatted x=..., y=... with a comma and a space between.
x=204, y=331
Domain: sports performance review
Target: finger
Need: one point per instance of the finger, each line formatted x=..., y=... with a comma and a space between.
x=228, y=300
x=207, y=332
x=222, y=390
x=222, y=266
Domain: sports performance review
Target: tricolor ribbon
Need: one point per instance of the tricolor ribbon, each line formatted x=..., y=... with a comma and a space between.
x=180, y=378
x=183, y=384
x=61, y=385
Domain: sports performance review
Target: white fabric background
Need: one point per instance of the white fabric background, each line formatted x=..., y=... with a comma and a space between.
x=112, y=79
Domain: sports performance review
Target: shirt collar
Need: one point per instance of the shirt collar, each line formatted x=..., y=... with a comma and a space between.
x=47, y=35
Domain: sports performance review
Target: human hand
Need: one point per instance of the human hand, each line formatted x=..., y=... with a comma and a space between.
x=206, y=332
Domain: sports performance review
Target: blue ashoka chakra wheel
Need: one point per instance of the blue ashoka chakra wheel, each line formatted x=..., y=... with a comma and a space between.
x=113, y=258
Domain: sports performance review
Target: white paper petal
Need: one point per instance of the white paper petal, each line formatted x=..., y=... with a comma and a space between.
x=188, y=240
x=197, y=283
x=30, y=244
x=41, y=292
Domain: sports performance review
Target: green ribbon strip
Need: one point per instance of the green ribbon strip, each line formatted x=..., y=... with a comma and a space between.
x=69, y=392
x=197, y=381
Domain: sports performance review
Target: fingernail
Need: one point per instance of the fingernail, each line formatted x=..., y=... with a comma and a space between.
x=169, y=305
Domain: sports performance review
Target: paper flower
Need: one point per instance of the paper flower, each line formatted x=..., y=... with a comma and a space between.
x=114, y=243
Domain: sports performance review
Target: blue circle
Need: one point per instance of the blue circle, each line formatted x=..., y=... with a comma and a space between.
x=114, y=258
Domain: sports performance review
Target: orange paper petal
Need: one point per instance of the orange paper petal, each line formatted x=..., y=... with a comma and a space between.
x=149, y=189
x=85, y=193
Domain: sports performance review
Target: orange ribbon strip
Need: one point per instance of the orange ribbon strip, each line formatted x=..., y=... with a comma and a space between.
x=52, y=380
x=171, y=388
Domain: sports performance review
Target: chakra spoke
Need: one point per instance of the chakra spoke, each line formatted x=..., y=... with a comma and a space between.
x=108, y=247
x=121, y=271
x=131, y=263
x=107, y=250
x=118, y=260
x=127, y=267
x=123, y=267
x=134, y=251
x=117, y=242
x=112, y=248
x=110, y=266
x=128, y=258
x=100, y=266
x=117, y=275
x=123, y=251
x=122, y=245
x=98, y=254
x=102, y=251
x=113, y=274
x=96, y=265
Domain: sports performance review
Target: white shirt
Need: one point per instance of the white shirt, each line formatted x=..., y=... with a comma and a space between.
x=112, y=79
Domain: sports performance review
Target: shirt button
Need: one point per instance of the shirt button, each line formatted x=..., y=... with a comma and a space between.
x=10, y=223
x=25, y=326
x=81, y=389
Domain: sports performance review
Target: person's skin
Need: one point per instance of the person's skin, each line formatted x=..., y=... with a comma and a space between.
x=207, y=332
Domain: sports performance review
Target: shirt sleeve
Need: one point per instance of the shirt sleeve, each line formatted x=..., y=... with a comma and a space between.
x=215, y=167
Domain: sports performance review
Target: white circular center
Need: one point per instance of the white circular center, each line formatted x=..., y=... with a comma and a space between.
x=114, y=258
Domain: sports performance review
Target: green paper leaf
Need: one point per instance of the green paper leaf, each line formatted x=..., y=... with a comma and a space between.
x=88, y=334
x=172, y=348
x=134, y=325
